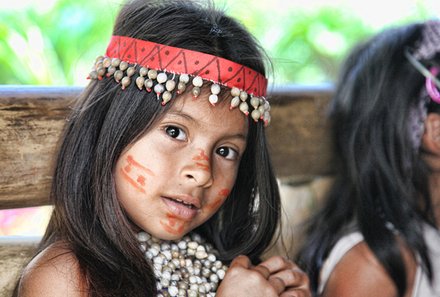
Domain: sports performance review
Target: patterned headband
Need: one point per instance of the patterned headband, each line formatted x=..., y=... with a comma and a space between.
x=168, y=70
x=427, y=48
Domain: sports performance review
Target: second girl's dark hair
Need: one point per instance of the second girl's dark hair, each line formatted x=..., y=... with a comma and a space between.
x=107, y=119
x=381, y=184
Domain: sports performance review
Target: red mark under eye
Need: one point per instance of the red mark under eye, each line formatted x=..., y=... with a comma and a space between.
x=132, y=162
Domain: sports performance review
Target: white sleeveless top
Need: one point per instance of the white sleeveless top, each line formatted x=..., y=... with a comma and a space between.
x=422, y=286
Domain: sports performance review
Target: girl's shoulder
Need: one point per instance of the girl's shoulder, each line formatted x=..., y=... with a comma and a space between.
x=359, y=273
x=53, y=272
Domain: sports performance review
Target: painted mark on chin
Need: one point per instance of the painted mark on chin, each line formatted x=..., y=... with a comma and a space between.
x=172, y=225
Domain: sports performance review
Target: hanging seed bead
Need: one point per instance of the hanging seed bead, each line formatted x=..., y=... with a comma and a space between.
x=215, y=89
x=107, y=62
x=181, y=87
x=148, y=84
x=255, y=101
x=162, y=77
x=140, y=80
x=123, y=65
x=101, y=72
x=166, y=97
x=184, y=78
x=196, y=92
x=111, y=70
x=116, y=62
x=243, y=96
x=99, y=59
x=244, y=108
x=93, y=75
x=234, y=102
x=255, y=114
x=143, y=71
x=235, y=92
x=197, y=81
x=118, y=75
x=261, y=109
x=130, y=71
x=152, y=74
x=125, y=82
x=170, y=85
x=213, y=99
x=158, y=89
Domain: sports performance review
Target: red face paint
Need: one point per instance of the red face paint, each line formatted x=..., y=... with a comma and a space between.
x=202, y=160
x=134, y=173
x=173, y=225
x=222, y=195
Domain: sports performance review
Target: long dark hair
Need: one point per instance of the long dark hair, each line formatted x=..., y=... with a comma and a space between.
x=87, y=214
x=381, y=183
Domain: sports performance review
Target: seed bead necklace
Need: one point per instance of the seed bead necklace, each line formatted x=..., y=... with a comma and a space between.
x=184, y=268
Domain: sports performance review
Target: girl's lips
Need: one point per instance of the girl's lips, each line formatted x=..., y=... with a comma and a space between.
x=180, y=210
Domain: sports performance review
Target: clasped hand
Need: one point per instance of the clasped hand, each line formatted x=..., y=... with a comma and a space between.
x=276, y=276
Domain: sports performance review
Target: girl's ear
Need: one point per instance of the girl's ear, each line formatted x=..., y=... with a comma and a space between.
x=431, y=136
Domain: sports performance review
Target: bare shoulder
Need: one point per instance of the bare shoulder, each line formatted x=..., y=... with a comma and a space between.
x=53, y=272
x=360, y=274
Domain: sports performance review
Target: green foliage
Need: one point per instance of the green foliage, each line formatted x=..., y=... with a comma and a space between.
x=58, y=46
x=46, y=47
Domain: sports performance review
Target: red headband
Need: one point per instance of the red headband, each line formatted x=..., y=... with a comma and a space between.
x=183, y=61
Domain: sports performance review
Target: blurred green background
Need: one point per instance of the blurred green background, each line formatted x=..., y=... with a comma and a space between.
x=54, y=42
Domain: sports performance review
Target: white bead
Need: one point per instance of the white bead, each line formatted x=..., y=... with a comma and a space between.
x=213, y=99
x=193, y=245
x=143, y=236
x=235, y=102
x=162, y=77
x=255, y=101
x=212, y=258
x=184, y=78
x=181, y=245
x=166, y=275
x=255, y=114
x=221, y=273
x=244, y=108
x=158, y=89
x=235, y=92
x=214, y=278
x=170, y=85
x=172, y=290
x=197, y=81
x=201, y=255
x=243, y=96
x=152, y=74
x=143, y=71
x=215, y=89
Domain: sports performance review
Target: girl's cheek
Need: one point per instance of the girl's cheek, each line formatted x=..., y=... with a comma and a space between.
x=135, y=174
x=218, y=200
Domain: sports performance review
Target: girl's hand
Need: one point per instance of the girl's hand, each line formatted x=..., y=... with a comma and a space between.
x=272, y=278
x=285, y=277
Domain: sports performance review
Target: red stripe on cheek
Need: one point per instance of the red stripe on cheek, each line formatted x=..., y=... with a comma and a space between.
x=131, y=161
x=224, y=192
x=132, y=182
x=141, y=180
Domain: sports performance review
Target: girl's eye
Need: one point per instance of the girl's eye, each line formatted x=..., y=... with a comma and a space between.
x=175, y=132
x=227, y=153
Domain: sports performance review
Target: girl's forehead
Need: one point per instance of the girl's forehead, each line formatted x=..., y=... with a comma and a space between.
x=201, y=112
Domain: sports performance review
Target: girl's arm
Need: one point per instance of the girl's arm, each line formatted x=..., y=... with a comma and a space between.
x=54, y=272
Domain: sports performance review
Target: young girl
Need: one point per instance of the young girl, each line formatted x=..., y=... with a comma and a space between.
x=377, y=234
x=163, y=175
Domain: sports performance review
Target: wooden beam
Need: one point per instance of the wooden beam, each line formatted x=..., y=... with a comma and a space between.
x=31, y=121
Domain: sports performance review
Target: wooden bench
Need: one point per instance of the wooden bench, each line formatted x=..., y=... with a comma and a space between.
x=31, y=120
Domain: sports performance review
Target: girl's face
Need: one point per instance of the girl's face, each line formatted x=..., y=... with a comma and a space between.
x=176, y=176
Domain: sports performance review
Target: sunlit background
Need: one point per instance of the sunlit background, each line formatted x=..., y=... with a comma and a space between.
x=54, y=42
